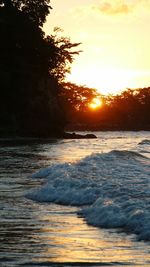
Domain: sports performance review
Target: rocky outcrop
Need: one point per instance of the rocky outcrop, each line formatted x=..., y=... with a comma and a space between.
x=78, y=136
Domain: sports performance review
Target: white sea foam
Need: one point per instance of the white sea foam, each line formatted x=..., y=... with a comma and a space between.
x=145, y=142
x=112, y=190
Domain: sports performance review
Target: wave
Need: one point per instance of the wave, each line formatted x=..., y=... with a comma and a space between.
x=145, y=142
x=75, y=264
x=126, y=154
x=112, y=190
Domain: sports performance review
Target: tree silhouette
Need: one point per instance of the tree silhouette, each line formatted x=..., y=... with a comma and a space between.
x=31, y=69
x=127, y=111
x=75, y=100
x=36, y=10
x=59, y=54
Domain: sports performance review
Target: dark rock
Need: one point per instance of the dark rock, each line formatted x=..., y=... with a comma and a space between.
x=78, y=136
x=90, y=136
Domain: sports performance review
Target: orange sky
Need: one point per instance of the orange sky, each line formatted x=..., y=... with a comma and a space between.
x=115, y=38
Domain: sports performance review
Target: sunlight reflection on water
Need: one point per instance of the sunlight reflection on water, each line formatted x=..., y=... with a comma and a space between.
x=69, y=239
x=33, y=233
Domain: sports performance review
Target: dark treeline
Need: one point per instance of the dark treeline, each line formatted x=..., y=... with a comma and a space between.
x=129, y=110
x=34, y=100
x=32, y=67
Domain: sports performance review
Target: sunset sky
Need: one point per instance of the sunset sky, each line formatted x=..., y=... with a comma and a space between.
x=115, y=38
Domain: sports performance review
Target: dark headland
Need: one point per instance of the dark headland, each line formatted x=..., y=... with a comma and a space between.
x=31, y=68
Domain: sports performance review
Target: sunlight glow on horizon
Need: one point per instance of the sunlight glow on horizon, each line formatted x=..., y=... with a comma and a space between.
x=115, y=42
x=106, y=80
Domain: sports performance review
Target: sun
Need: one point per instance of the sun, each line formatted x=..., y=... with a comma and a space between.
x=96, y=103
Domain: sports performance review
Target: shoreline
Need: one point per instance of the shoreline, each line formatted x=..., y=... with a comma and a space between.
x=65, y=135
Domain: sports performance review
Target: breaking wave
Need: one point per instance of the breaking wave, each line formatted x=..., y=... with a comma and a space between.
x=112, y=190
x=145, y=142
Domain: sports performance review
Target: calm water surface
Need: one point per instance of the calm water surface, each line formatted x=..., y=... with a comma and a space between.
x=38, y=231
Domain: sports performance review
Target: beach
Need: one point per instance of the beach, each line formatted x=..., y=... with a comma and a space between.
x=75, y=202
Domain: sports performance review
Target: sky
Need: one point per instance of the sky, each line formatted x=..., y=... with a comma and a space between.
x=115, y=37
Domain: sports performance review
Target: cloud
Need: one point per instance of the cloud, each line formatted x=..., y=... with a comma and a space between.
x=114, y=7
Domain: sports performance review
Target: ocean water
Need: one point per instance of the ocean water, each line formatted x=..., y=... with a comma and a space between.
x=75, y=202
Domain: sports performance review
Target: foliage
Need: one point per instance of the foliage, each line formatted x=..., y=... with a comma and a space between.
x=60, y=54
x=128, y=111
x=31, y=69
x=36, y=10
x=131, y=108
x=75, y=97
x=32, y=74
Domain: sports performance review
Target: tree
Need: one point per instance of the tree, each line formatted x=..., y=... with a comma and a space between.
x=32, y=67
x=36, y=10
x=60, y=55
x=75, y=100
x=129, y=110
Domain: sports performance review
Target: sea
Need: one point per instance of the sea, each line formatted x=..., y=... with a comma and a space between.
x=75, y=202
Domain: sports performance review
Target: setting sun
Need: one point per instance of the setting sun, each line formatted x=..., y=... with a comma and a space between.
x=96, y=103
